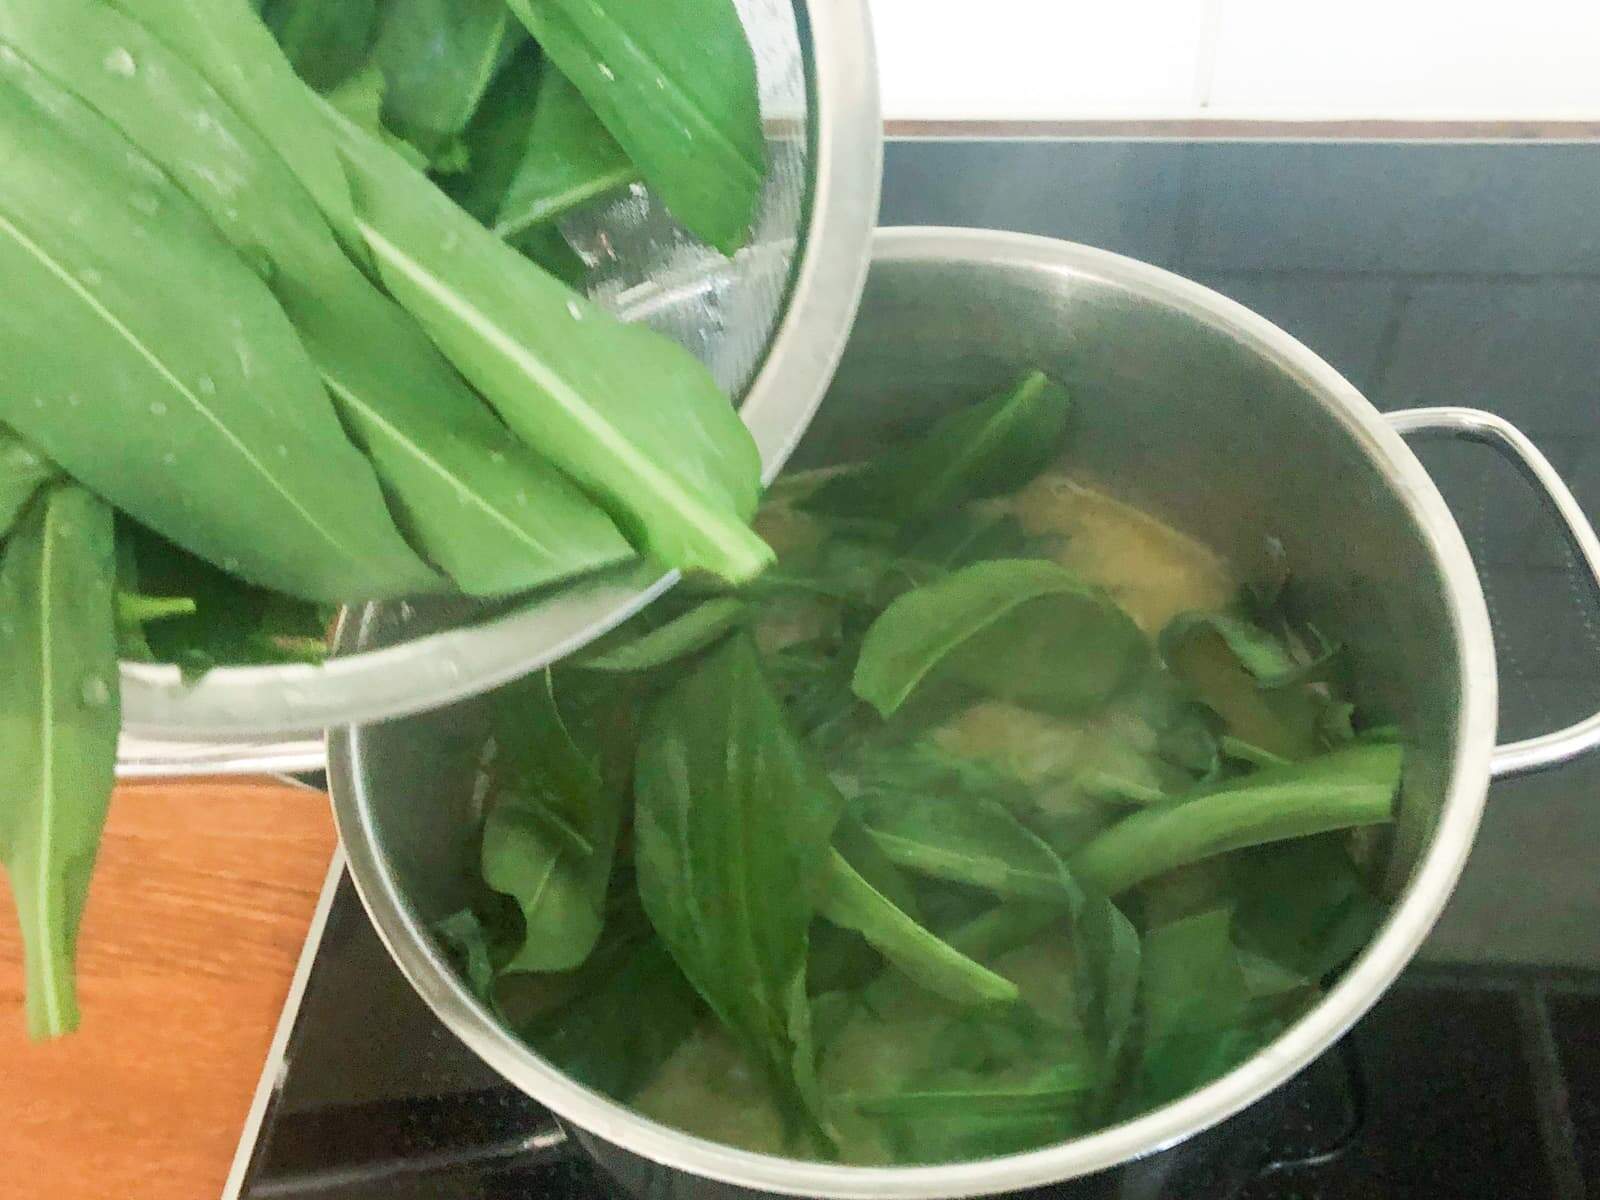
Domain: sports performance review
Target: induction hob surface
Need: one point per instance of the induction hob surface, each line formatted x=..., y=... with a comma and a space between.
x=1427, y=274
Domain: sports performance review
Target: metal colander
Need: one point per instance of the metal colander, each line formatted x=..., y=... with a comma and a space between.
x=769, y=323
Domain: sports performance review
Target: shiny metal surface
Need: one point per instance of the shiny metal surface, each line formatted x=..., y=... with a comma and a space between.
x=1187, y=404
x=1561, y=745
x=770, y=324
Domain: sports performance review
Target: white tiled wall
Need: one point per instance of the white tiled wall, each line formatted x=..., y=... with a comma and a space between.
x=1249, y=59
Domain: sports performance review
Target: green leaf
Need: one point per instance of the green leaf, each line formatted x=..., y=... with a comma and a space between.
x=974, y=534
x=1282, y=721
x=155, y=368
x=1204, y=1013
x=58, y=738
x=438, y=57
x=967, y=840
x=233, y=623
x=494, y=516
x=225, y=41
x=1268, y=659
x=1063, y=1092
x=1106, y=957
x=1342, y=789
x=984, y=450
x=631, y=1007
x=570, y=159
x=360, y=100
x=550, y=835
x=853, y=903
x=326, y=40
x=732, y=835
x=675, y=83
x=23, y=471
x=497, y=136
x=629, y=415
x=548, y=249
x=1019, y=629
x=467, y=941
x=1304, y=904
x=688, y=634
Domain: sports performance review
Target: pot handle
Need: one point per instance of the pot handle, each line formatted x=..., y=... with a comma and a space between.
x=1562, y=745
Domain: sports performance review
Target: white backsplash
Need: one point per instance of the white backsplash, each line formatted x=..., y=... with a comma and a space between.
x=1464, y=60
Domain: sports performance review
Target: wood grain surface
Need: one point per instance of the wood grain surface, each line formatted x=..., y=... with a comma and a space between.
x=196, y=917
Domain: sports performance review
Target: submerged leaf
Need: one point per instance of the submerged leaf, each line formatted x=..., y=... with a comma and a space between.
x=854, y=903
x=675, y=83
x=630, y=1008
x=732, y=836
x=982, y=450
x=58, y=738
x=1204, y=1010
x=550, y=836
x=688, y=634
x=1017, y=628
x=1342, y=789
x=968, y=840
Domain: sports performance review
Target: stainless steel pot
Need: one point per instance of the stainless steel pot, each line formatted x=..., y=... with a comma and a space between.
x=1187, y=404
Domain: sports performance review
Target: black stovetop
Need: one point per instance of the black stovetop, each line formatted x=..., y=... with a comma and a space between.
x=1427, y=274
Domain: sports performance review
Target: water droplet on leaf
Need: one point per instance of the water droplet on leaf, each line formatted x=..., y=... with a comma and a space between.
x=120, y=62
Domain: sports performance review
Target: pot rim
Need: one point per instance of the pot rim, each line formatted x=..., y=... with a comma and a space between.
x=1403, y=932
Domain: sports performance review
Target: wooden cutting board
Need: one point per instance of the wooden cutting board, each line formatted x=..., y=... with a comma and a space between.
x=200, y=904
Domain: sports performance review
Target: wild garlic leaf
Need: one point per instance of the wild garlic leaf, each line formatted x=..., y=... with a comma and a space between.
x=1342, y=789
x=1019, y=629
x=233, y=623
x=732, y=847
x=326, y=40
x=982, y=450
x=1204, y=1011
x=550, y=836
x=1106, y=957
x=496, y=139
x=1268, y=658
x=853, y=903
x=966, y=840
x=1304, y=904
x=493, y=515
x=155, y=367
x=570, y=159
x=439, y=57
x=23, y=471
x=466, y=940
x=1282, y=721
x=58, y=739
x=631, y=1007
x=225, y=41
x=675, y=83
x=680, y=637
x=629, y=415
